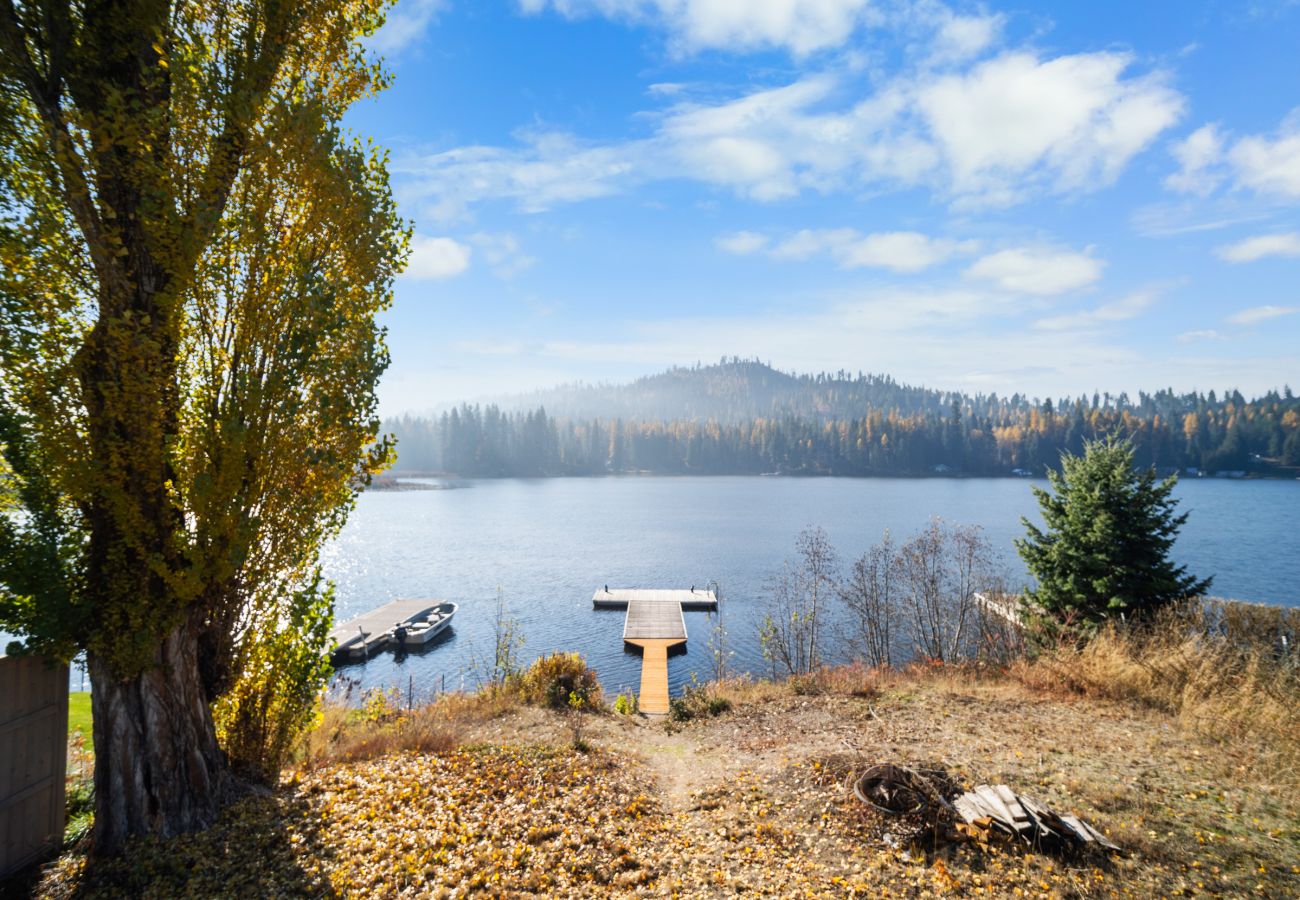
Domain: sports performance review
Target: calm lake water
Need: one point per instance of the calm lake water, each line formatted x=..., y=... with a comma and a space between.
x=548, y=544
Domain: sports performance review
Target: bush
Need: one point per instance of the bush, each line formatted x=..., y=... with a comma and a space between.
x=283, y=667
x=696, y=702
x=555, y=681
x=626, y=704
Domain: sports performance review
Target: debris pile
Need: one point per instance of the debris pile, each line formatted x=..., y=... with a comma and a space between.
x=930, y=795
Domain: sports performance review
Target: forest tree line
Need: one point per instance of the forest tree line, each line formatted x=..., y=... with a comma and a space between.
x=972, y=436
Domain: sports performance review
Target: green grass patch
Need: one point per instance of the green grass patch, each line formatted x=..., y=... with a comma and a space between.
x=79, y=713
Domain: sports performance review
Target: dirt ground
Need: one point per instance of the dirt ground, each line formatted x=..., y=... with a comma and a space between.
x=755, y=800
x=1193, y=817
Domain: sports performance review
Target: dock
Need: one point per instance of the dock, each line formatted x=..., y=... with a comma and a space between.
x=367, y=634
x=655, y=623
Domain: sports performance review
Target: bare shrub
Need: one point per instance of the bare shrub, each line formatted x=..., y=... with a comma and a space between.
x=791, y=631
x=872, y=593
x=507, y=641
x=943, y=568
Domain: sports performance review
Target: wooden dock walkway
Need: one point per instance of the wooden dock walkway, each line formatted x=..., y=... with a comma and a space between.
x=367, y=634
x=655, y=623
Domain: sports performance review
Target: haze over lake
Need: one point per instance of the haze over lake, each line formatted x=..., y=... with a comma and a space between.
x=549, y=543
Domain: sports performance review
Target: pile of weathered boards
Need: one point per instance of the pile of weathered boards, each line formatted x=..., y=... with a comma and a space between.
x=928, y=793
x=997, y=806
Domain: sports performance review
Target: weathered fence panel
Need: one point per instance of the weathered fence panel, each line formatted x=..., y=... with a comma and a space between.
x=33, y=758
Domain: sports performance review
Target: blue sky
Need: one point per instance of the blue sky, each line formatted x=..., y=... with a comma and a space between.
x=1051, y=198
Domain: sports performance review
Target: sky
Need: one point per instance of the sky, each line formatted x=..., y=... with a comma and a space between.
x=1049, y=198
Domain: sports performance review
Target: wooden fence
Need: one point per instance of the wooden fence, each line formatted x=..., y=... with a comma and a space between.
x=33, y=759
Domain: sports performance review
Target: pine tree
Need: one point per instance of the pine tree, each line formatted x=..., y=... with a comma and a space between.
x=1105, y=551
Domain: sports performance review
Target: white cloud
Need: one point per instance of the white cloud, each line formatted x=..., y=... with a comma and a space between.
x=808, y=242
x=1121, y=310
x=1070, y=122
x=1257, y=314
x=1006, y=129
x=901, y=251
x=1198, y=157
x=406, y=23
x=898, y=251
x=742, y=243
x=964, y=37
x=1042, y=272
x=1251, y=249
x=434, y=258
x=800, y=26
x=1269, y=165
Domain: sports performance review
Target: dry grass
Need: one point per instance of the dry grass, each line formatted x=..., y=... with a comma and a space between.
x=382, y=726
x=1222, y=682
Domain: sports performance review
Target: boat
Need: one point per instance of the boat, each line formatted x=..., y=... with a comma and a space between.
x=420, y=629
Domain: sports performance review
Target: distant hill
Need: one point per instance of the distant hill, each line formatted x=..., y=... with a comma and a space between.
x=732, y=391
x=744, y=417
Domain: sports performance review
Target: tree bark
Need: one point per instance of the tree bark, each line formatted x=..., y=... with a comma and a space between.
x=158, y=768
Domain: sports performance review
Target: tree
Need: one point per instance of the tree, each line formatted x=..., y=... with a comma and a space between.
x=193, y=254
x=1109, y=530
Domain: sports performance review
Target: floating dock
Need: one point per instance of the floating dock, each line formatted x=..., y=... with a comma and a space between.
x=655, y=623
x=367, y=634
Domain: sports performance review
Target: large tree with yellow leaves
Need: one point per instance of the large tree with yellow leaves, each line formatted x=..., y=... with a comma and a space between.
x=192, y=258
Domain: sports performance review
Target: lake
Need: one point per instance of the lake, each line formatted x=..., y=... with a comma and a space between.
x=549, y=543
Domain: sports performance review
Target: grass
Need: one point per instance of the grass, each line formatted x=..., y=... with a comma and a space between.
x=79, y=713
x=1216, y=682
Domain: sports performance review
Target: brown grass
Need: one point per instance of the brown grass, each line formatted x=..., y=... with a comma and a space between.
x=382, y=727
x=1220, y=683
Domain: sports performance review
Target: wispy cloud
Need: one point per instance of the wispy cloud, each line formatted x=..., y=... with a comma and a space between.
x=1121, y=310
x=800, y=26
x=897, y=251
x=1267, y=164
x=995, y=132
x=1204, y=334
x=1198, y=157
x=502, y=252
x=741, y=243
x=1042, y=272
x=1257, y=314
x=1255, y=248
x=985, y=348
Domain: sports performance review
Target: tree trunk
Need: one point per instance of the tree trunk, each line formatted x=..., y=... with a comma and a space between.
x=158, y=768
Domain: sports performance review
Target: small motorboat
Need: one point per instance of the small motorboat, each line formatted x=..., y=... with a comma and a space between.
x=423, y=628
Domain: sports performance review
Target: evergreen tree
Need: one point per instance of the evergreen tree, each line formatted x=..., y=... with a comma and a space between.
x=1110, y=527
